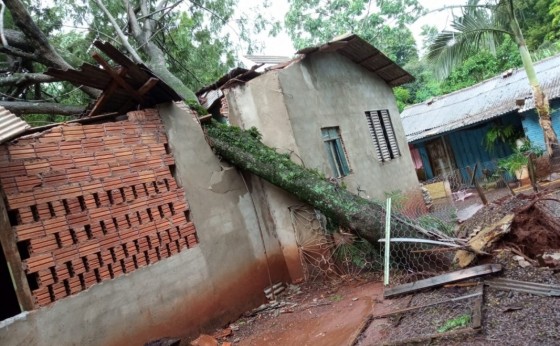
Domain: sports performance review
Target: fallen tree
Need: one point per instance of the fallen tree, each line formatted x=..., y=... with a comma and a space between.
x=363, y=217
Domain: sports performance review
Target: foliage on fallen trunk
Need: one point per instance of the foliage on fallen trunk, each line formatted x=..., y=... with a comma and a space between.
x=363, y=217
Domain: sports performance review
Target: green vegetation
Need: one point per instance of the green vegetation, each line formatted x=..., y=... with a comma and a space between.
x=457, y=322
x=520, y=158
x=500, y=133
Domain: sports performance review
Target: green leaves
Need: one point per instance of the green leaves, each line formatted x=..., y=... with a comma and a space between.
x=313, y=22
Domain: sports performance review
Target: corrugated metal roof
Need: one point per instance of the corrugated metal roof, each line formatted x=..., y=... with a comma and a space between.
x=486, y=100
x=10, y=125
x=362, y=53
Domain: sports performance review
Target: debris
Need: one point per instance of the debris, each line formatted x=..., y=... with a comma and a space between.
x=223, y=333
x=512, y=308
x=419, y=307
x=522, y=261
x=524, y=286
x=484, y=240
x=551, y=260
x=425, y=339
x=477, y=309
x=204, y=340
x=164, y=342
x=442, y=279
x=272, y=292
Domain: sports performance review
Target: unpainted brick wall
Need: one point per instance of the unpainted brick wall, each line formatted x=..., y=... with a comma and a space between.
x=90, y=203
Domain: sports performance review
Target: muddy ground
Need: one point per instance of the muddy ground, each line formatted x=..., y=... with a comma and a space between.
x=339, y=312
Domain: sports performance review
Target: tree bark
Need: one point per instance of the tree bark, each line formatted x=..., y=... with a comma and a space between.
x=25, y=107
x=24, y=79
x=363, y=217
x=539, y=97
x=43, y=51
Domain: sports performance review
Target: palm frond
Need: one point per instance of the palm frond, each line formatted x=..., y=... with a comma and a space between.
x=476, y=29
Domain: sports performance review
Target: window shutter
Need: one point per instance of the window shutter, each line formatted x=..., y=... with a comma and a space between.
x=393, y=145
x=378, y=129
x=369, y=118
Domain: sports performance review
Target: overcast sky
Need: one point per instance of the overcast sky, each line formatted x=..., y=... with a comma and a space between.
x=282, y=45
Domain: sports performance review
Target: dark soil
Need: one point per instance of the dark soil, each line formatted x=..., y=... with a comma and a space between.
x=534, y=231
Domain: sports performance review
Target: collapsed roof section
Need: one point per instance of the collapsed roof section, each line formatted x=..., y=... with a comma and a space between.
x=125, y=87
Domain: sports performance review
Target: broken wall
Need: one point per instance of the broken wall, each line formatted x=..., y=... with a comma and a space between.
x=144, y=272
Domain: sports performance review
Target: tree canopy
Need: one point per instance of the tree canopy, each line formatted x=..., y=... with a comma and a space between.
x=382, y=23
x=188, y=44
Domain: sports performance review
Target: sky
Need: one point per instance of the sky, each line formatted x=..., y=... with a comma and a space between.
x=282, y=45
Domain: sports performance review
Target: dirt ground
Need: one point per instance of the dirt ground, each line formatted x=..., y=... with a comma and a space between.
x=344, y=311
x=339, y=313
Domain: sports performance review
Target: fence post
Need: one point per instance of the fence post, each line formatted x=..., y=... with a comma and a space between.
x=476, y=184
x=387, y=241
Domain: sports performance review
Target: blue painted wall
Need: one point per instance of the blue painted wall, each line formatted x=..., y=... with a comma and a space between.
x=468, y=148
x=532, y=128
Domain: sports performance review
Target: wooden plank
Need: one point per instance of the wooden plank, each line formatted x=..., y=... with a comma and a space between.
x=19, y=279
x=118, y=78
x=477, y=308
x=413, y=308
x=106, y=95
x=424, y=339
x=442, y=279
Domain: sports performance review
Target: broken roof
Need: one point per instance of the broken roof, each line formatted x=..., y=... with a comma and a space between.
x=364, y=54
x=124, y=87
x=351, y=46
x=489, y=99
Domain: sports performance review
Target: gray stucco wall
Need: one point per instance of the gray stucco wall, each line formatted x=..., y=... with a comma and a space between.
x=205, y=286
x=325, y=90
x=260, y=103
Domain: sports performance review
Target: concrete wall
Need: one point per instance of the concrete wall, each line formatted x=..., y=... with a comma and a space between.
x=260, y=103
x=204, y=286
x=325, y=90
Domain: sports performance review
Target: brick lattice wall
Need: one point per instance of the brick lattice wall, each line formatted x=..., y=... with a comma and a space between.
x=90, y=203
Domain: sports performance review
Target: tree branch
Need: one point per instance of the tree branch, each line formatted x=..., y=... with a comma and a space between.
x=119, y=32
x=48, y=55
x=24, y=79
x=22, y=107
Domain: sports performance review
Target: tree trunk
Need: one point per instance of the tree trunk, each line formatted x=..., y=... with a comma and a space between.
x=363, y=217
x=539, y=97
x=26, y=107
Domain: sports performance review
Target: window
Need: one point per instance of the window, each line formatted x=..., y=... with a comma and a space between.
x=381, y=130
x=335, y=151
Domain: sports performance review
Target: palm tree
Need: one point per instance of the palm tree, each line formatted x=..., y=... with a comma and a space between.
x=483, y=26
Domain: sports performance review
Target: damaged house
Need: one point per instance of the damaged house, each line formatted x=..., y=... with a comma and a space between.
x=112, y=230
x=123, y=226
x=332, y=109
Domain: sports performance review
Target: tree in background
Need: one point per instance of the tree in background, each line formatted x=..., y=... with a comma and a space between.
x=187, y=44
x=484, y=26
x=382, y=23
